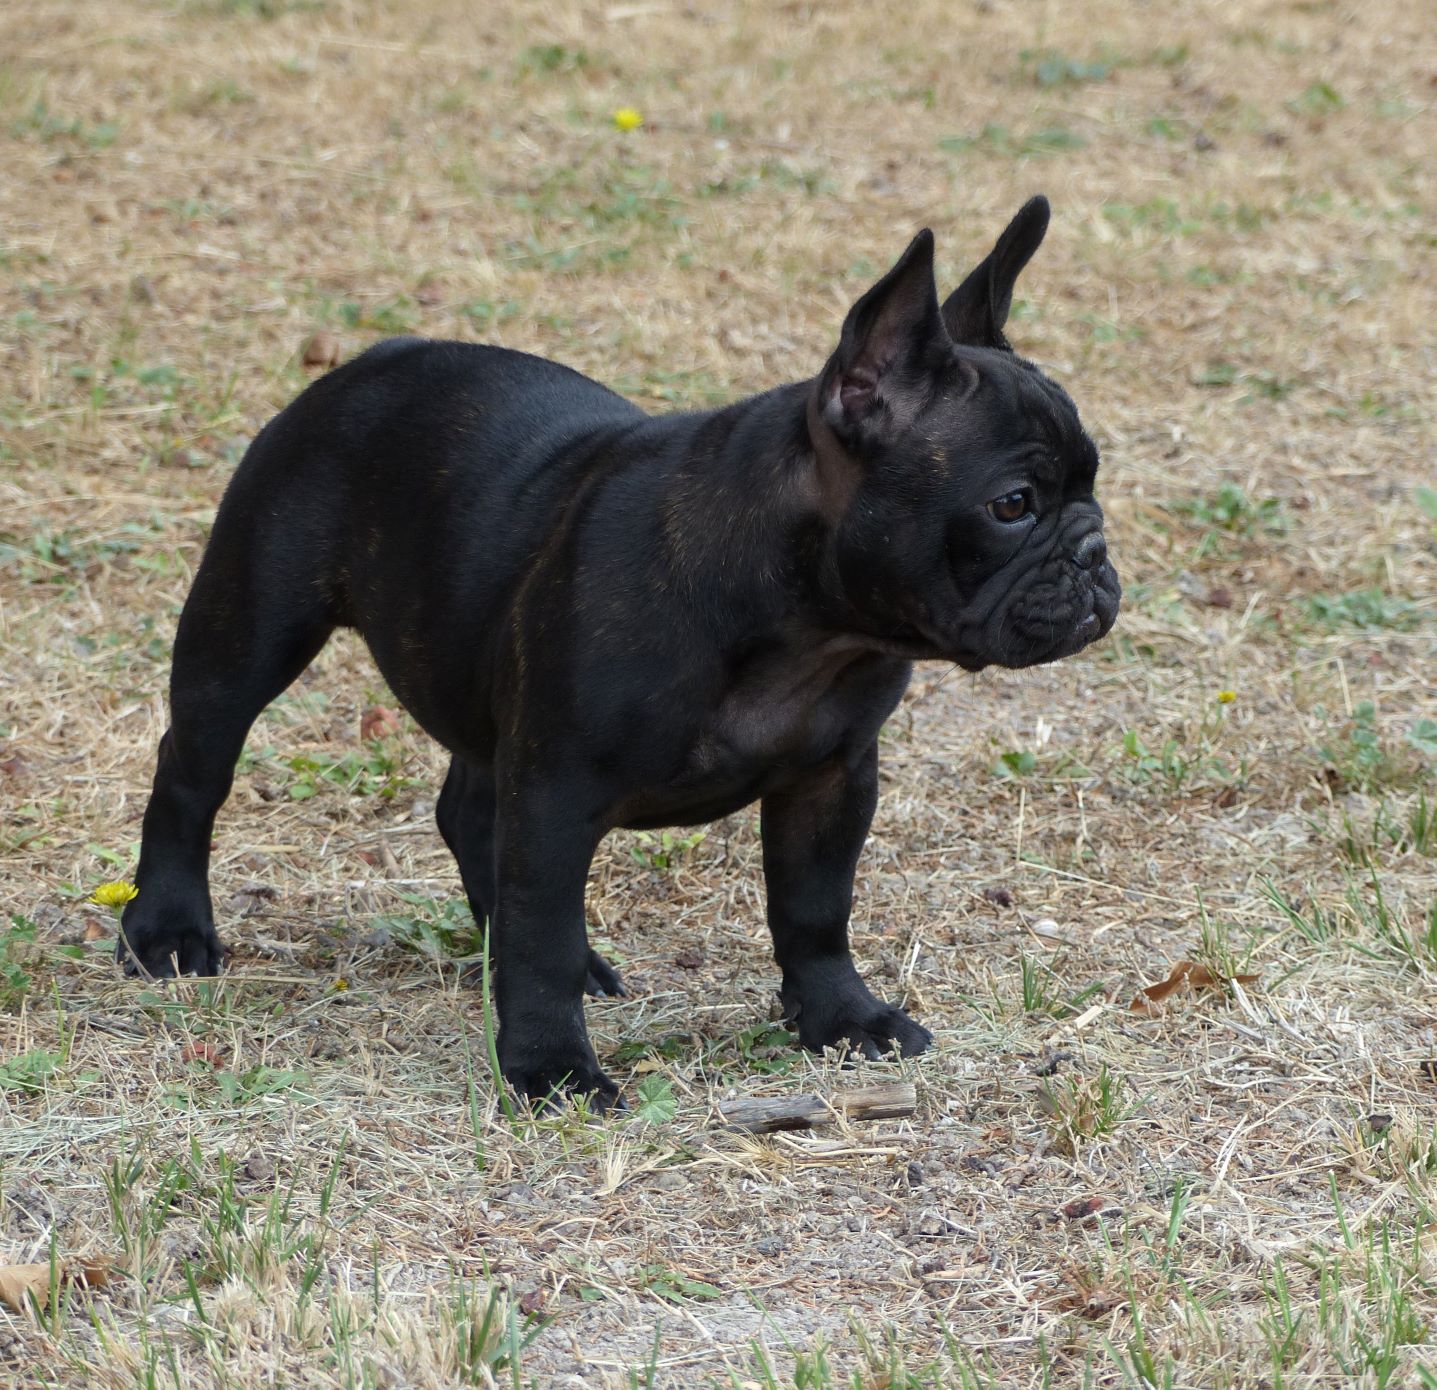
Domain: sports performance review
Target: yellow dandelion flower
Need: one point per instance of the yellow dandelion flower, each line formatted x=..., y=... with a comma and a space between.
x=341, y=983
x=115, y=894
x=626, y=118
x=1226, y=697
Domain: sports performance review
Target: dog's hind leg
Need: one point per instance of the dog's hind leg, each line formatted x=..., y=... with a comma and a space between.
x=246, y=631
x=603, y=979
x=465, y=813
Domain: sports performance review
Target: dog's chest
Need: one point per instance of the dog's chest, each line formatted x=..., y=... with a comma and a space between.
x=773, y=722
x=784, y=708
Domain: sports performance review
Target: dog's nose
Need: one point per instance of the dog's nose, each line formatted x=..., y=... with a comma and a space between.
x=1092, y=550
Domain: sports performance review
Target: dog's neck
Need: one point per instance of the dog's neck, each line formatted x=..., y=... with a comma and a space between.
x=742, y=516
x=756, y=541
x=835, y=473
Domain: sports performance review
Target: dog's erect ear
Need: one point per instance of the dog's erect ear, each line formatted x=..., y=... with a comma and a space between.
x=977, y=310
x=882, y=334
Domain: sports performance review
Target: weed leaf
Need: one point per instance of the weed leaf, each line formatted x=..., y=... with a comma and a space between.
x=657, y=1104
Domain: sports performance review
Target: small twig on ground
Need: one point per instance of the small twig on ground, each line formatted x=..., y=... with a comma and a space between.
x=763, y=1115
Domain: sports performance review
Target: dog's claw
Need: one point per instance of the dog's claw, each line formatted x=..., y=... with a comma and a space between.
x=893, y=1034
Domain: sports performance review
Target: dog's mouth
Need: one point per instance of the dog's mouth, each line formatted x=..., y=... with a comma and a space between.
x=1059, y=621
x=1046, y=622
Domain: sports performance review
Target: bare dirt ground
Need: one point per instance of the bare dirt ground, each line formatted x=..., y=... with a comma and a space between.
x=303, y=1176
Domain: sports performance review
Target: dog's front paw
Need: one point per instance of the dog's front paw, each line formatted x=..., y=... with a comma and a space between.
x=854, y=1020
x=546, y=1076
x=158, y=943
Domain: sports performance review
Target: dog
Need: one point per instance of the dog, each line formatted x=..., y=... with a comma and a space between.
x=611, y=619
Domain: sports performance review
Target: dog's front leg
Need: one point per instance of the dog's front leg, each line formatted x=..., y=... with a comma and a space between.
x=813, y=832
x=543, y=847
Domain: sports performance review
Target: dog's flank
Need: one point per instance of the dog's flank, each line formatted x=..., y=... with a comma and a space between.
x=617, y=620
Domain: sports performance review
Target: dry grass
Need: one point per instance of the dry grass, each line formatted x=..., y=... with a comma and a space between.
x=302, y=1170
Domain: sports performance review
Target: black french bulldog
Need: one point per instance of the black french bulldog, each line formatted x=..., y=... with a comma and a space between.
x=616, y=620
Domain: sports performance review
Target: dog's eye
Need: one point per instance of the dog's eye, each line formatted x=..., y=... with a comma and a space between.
x=1014, y=507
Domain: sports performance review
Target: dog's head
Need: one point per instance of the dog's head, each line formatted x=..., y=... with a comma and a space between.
x=958, y=476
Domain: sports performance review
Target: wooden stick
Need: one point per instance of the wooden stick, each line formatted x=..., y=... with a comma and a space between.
x=769, y=1113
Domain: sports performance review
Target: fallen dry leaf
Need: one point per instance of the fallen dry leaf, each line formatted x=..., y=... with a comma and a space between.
x=321, y=351
x=378, y=721
x=203, y=1052
x=1187, y=976
x=94, y=929
x=16, y=1281
x=1089, y=1297
x=1084, y=1207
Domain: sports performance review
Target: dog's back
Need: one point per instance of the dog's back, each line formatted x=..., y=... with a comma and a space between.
x=415, y=447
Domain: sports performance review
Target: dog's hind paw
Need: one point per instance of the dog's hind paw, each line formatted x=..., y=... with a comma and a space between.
x=603, y=980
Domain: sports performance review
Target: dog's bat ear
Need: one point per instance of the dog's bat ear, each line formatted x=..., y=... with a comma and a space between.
x=883, y=332
x=977, y=310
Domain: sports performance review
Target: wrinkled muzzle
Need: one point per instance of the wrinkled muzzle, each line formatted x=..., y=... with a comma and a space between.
x=1058, y=608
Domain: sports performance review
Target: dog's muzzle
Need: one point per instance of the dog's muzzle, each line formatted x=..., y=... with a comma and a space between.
x=1071, y=602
